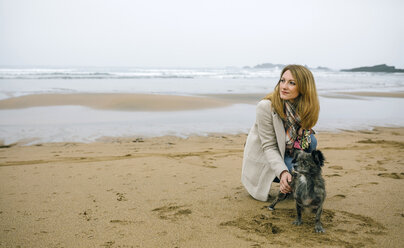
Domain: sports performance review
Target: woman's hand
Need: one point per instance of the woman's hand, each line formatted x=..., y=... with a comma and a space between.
x=286, y=178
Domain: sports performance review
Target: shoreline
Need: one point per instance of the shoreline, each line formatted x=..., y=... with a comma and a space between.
x=187, y=192
x=157, y=102
x=36, y=141
x=375, y=94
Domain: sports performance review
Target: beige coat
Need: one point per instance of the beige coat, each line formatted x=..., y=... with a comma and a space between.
x=264, y=152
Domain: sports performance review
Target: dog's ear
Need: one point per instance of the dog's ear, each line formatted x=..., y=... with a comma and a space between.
x=318, y=157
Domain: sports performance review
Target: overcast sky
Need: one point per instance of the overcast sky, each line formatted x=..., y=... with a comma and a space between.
x=205, y=33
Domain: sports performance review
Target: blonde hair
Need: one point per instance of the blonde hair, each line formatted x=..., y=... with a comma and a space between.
x=308, y=106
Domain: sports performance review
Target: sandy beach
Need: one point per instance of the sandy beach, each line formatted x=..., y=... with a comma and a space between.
x=123, y=124
x=174, y=192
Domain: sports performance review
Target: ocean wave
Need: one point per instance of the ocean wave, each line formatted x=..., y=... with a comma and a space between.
x=133, y=73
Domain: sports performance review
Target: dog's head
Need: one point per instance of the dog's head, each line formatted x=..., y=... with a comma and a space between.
x=304, y=162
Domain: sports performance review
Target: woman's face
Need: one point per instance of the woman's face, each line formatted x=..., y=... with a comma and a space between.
x=287, y=86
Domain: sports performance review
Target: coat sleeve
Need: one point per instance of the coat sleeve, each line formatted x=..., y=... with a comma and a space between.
x=267, y=135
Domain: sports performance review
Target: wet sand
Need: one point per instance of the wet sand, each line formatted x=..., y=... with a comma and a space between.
x=118, y=101
x=150, y=102
x=360, y=95
x=173, y=192
x=399, y=94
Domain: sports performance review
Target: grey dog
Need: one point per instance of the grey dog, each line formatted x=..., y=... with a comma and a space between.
x=307, y=185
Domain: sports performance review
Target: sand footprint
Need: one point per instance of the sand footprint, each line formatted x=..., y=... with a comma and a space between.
x=87, y=214
x=336, y=167
x=125, y=222
x=392, y=175
x=208, y=165
x=172, y=212
x=121, y=197
x=339, y=197
x=259, y=224
x=108, y=244
x=365, y=184
x=333, y=175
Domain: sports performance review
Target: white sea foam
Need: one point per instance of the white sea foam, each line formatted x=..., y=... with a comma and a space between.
x=16, y=82
x=134, y=73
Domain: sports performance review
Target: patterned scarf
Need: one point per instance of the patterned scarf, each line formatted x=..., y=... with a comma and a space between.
x=292, y=125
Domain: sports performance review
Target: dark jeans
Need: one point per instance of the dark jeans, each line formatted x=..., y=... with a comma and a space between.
x=288, y=159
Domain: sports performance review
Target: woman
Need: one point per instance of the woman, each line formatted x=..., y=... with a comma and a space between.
x=283, y=123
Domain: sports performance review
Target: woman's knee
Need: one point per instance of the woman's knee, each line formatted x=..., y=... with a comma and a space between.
x=288, y=162
x=313, y=143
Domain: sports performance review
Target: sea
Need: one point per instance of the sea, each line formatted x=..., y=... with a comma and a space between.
x=339, y=111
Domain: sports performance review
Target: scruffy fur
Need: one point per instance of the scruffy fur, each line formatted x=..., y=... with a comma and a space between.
x=307, y=185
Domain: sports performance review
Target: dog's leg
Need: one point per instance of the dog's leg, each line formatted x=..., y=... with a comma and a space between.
x=298, y=220
x=280, y=197
x=319, y=227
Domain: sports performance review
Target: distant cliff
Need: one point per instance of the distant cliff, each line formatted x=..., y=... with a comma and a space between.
x=376, y=68
x=268, y=65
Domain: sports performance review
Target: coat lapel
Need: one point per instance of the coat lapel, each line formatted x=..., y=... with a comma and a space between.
x=280, y=133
